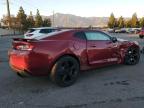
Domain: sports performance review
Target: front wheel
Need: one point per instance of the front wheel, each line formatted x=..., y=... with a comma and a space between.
x=142, y=51
x=65, y=71
x=132, y=56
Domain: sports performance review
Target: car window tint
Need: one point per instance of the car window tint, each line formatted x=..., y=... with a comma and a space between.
x=96, y=36
x=80, y=35
x=46, y=30
x=53, y=30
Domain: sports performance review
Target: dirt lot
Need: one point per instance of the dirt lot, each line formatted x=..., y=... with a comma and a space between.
x=118, y=86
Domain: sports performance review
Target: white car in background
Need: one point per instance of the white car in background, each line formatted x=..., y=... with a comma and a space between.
x=36, y=32
x=110, y=30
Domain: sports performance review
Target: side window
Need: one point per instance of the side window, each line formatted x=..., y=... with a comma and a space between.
x=96, y=36
x=80, y=35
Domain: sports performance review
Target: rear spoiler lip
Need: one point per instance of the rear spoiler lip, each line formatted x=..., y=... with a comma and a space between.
x=24, y=40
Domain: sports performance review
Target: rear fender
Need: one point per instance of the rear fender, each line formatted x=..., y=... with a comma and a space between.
x=62, y=55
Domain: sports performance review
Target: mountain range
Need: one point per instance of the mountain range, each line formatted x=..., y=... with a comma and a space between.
x=69, y=20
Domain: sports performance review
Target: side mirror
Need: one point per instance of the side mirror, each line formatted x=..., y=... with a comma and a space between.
x=114, y=39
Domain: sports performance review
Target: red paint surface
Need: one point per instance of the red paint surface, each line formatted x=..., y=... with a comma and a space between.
x=45, y=52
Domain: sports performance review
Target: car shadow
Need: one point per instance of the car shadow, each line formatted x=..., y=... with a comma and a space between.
x=40, y=82
x=102, y=70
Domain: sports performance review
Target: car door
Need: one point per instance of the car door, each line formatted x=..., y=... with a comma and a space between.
x=100, y=48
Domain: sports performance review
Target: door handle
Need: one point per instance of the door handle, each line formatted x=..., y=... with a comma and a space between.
x=93, y=46
x=115, y=45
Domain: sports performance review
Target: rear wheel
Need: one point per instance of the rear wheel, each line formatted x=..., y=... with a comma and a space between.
x=141, y=36
x=65, y=71
x=132, y=56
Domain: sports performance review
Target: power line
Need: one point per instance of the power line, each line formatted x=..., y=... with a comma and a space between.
x=30, y=5
x=33, y=5
x=53, y=19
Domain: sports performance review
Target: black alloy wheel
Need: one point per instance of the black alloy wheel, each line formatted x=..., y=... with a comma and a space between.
x=141, y=36
x=65, y=71
x=132, y=56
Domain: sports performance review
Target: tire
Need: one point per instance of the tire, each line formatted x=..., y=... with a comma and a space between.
x=65, y=71
x=132, y=56
x=141, y=36
x=142, y=51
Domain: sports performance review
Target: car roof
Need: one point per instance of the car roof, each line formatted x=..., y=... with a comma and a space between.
x=65, y=30
x=88, y=30
x=44, y=28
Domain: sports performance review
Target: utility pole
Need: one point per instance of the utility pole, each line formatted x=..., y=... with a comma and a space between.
x=8, y=12
x=53, y=21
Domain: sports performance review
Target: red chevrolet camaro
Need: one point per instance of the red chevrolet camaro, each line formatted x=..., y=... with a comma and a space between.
x=62, y=54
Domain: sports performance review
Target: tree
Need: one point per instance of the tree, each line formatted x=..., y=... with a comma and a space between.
x=112, y=21
x=38, y=19
x=47, y=22
x=30, y=21
x=22, y=19
x=134, y=21
x=142, y=22
x=121, y=22
x=128, y=23
x=90, y=26
x=15, y=24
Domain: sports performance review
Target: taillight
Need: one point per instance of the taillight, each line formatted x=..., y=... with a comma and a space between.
x=29, y=35
x=24, y=47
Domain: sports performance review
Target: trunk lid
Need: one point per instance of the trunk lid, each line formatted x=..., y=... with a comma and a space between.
x=23, y=44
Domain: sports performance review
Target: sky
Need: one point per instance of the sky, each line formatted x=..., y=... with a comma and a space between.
x=84, y=8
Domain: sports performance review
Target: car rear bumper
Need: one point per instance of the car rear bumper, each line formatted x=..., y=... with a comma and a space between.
x=28, y=63
x=20, y=72
x=18, y=61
